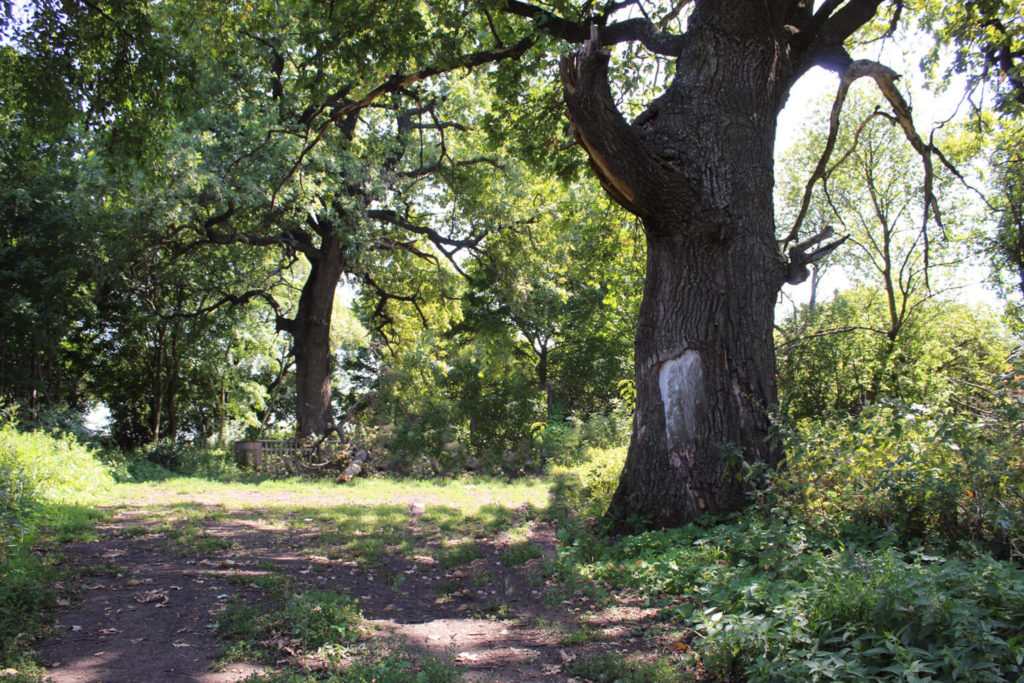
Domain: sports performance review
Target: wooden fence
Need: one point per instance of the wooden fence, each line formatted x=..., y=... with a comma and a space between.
x=263, y=452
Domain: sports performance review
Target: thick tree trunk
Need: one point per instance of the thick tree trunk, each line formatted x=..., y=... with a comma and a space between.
x=697, y=167
x=705, y=378
x=311, y=334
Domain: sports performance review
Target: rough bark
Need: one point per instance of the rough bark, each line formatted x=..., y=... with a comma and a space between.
x=311, y=335
x=697, y=167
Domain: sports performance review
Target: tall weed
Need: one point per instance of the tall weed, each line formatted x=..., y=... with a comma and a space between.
x=56, y=467
x=40, y=473
x=774, y=600
x=921, y=473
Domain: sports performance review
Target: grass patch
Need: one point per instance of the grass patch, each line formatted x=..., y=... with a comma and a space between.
x=317, y=618
x=273, y=584
x=204, y=543
x=380, y=663
x=304, y=621
x=467, y=495
x=580, y=636
x=359, y=520
x=614, y=668
x=445, y=588
x=64, y=522
x=459, y=554
x=519, y=553
x=26, y=599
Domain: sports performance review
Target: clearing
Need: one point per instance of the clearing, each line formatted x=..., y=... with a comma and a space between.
x=189, y=580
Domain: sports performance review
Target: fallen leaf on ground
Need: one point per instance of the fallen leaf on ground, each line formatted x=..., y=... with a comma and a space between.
x=109, y=631
x=159, y=597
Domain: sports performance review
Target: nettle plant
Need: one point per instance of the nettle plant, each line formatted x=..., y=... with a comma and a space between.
x=920, y=472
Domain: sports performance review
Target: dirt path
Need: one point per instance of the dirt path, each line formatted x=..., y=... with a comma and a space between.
x=149, y=593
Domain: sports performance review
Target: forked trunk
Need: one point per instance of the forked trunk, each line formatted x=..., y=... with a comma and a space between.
x=696, y=166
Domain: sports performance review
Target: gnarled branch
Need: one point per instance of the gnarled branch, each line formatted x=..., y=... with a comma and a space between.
x=637, y=29
x=395, y=83
x=616, y=153
x=885, y=78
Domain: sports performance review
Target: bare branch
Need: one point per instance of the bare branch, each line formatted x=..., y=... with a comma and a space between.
x=673, y=13
x=282, y=323
x=885, y=78
x=427, y=170
x=803, y=338
x=391, y=216
x=822, y=171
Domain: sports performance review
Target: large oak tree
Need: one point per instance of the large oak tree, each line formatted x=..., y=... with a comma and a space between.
x=696, y=165
x=315, y=131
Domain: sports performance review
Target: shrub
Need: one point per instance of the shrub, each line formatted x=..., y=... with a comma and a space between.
x=156, y=462
x=39, y=472
x=53, y=468
x=587, y=488
x=838, y=358
x=17, y=505
x=918, y=472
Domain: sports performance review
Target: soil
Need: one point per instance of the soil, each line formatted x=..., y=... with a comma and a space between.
x=142, y=610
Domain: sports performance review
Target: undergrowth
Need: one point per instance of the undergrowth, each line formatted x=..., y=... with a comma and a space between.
x=44, y=478
x=888, y=549
x=769, y=599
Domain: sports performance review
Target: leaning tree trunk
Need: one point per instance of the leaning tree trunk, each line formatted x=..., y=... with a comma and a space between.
x=311, y=335
x=697, y=167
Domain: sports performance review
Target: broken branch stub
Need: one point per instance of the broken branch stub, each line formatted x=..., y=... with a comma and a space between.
x=800, y=259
